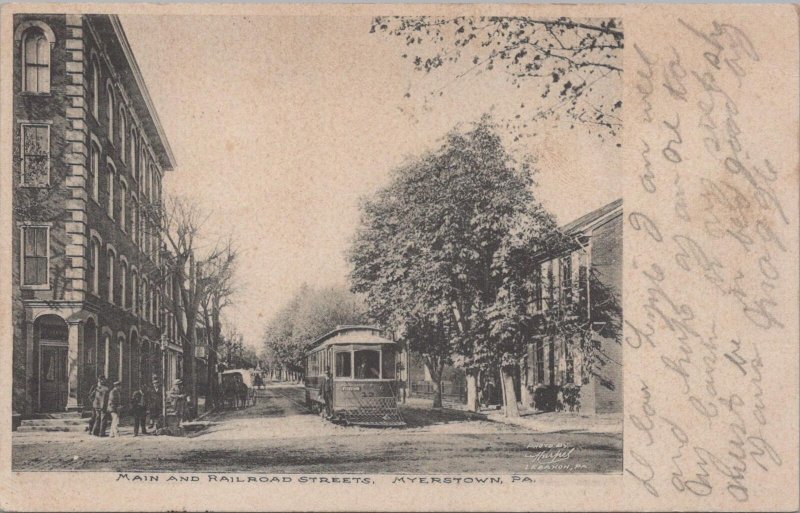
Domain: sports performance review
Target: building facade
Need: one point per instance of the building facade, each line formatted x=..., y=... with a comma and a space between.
x=88, y=161
x=574, y=360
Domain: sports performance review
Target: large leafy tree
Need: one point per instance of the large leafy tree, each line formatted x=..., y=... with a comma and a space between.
x=572, y=68
x=434, y=253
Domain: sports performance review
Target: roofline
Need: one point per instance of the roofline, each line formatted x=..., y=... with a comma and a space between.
x=617, y=210
x=593, y=224
x=343, y=328
x=582, y=229
x=137, y=74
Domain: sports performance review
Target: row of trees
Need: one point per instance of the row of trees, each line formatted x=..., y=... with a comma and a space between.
x=446, y=256
x=201, y=273
x=233, y=353
x=308, y=315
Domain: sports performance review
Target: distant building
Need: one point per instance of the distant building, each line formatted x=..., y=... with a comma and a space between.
x=89, y=156
x=580, y=288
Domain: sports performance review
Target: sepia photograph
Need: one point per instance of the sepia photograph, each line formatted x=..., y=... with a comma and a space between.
x=318, y=244
x=396, y=257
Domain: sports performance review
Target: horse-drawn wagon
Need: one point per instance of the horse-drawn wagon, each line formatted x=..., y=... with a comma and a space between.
x=236, y=388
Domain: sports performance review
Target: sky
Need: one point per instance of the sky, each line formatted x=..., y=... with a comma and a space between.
x=280, y=124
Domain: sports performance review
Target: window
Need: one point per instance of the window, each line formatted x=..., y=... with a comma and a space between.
x=94, y=266
x=122, y=131
x=35, y=62
x=94, y=171
x=388, y=363
x=143, y=313
x=134, y=217
x=110, y=173
x=121, y=342
x=110, y=111
x=35, y=255
x=367, y=363
x=123, y=284
x=146, y=178
x=566, y=279
x=95, y=85
x=143, y=164
x=132, y=161
x=537, y=288
x=343, y=365
x=547, y=283
x=569, y=364
x=35, y=155
x=110, y=276
x=134, y=290
x=540, y=361
x=123, y=193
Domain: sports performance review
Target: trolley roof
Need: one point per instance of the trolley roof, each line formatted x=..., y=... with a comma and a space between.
x=351, y=335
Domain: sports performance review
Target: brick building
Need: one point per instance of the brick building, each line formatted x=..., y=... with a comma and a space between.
x=579, y=293
x=581, y=288
x=89, y=157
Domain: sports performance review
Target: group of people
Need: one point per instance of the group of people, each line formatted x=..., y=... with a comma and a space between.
x=146, y=405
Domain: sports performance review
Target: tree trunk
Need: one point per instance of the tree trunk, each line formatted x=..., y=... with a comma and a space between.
x=472, y=390
x=436, y=376
x=527, y=397
x=437, y=394
x=509, y=396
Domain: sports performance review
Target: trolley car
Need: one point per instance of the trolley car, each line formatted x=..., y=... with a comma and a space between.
x=362, y=365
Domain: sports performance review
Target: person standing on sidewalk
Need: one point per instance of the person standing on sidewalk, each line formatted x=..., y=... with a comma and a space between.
x=90, y=402
x=154, y=404
x=327, y=392
x=139, y=410
x=115, y=408
x=100, y=407
x=178, y=397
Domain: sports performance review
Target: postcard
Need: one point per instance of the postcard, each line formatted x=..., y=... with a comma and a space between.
x=388, y=257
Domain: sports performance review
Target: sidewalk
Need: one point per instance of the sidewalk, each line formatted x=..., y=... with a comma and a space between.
x=563, y=422
x=541, y=422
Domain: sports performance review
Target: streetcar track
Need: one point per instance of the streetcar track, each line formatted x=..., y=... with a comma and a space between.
x=303, y=406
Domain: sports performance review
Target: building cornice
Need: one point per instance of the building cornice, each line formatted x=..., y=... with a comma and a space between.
x=137, y=74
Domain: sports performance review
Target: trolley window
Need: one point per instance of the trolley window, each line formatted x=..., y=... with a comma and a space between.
x=368, y=364
x=388, y=364
x=343, y=367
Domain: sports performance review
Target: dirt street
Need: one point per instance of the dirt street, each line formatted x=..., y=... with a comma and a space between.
x=280, y=435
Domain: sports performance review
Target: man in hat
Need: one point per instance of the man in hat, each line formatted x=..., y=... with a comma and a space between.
x=139, y=410
x=327, y=392
x=155, y=401
x=100, y=407
x=90, y=402
x=178, y=397
x=115, y=407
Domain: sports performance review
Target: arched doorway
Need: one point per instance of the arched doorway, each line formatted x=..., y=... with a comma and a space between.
x=90, y=370
x=51, y=336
